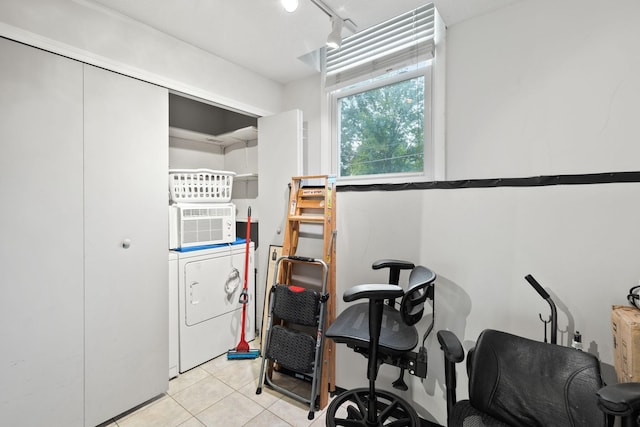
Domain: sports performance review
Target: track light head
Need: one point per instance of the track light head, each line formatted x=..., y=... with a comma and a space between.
x=289, y=5
x=335, y=37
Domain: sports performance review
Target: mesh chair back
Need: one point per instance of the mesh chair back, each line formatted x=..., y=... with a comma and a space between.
x=420, y=288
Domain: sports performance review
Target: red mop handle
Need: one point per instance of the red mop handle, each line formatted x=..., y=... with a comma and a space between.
x=246, y=252
x=243, y=346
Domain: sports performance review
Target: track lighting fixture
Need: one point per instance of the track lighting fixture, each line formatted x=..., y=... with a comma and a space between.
x=335, y=37
x=337, y=23
x=289, y=5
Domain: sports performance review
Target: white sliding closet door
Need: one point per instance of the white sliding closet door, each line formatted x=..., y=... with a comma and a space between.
x=279, y=159
x=41, y=308
x=126, y=163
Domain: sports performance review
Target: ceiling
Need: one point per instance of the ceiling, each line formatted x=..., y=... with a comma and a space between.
x=260, y=36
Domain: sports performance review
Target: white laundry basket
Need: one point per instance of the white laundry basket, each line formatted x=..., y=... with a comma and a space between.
x=200, y=185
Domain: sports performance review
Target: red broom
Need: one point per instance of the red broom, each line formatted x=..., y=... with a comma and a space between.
x=242, y=349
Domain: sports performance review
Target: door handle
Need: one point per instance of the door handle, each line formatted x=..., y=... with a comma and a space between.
x=193, y=293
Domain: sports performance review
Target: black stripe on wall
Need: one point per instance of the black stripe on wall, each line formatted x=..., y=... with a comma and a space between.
x=535, y=181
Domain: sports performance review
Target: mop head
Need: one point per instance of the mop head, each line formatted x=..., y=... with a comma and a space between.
x=242, y=354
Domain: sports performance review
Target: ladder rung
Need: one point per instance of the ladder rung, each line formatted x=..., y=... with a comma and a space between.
x=306, y=218
x=311, y=204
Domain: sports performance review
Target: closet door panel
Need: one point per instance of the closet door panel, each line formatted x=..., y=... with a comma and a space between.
x=41, y=309
x=126, y=162
x=279, y=158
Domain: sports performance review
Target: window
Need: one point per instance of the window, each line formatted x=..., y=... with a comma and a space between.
x=380, y=86
x=381, y=127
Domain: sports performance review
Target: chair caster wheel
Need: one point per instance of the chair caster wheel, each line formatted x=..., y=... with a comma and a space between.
x=390, y=409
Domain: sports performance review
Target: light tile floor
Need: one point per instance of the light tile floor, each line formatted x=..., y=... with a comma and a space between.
x=222, y=392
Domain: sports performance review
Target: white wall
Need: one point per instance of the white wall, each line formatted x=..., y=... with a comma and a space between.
x=85, y=31
x=541, y=87
x=304, y=95
x=188, y=154
x=242, y=158
x=544, y=87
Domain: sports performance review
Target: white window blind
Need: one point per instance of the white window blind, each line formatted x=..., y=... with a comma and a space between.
x=399, y=42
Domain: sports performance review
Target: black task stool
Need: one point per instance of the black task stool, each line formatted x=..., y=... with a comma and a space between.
x=514, y=381
x=384, y=334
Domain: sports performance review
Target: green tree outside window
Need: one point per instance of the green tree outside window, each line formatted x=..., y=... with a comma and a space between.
x=382, y=129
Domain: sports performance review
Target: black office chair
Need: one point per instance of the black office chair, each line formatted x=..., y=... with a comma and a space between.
x=384, y=334
x=514, y=381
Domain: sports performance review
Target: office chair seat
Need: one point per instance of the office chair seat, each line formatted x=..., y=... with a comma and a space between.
x=353, y=330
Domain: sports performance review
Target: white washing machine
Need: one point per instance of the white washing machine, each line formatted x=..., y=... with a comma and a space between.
x=210, y=283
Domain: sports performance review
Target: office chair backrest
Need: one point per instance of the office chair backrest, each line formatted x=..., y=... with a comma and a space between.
x=530, y=383
x=420, y=288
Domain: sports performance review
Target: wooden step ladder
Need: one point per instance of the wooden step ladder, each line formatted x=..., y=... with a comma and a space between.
x=312, y=200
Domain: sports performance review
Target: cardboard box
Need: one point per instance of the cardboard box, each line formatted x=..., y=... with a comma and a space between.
x=625, y=326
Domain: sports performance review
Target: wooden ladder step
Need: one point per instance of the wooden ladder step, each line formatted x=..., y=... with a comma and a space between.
x=306, y=218
x=310, y=204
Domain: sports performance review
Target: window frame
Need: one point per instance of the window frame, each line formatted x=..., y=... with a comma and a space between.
x=374, y=81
